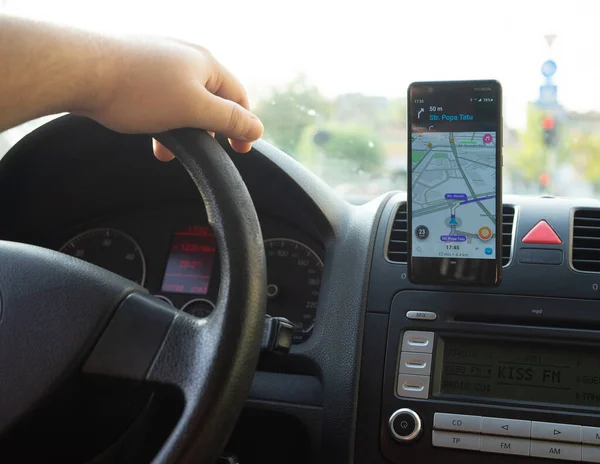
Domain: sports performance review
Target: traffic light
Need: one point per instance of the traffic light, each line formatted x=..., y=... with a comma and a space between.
x=549, y=127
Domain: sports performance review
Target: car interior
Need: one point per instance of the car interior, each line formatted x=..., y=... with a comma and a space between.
x=342, y=387
x=258, y=308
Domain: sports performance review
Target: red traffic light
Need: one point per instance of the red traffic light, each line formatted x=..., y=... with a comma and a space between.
x=548, y=123
x=544, y=179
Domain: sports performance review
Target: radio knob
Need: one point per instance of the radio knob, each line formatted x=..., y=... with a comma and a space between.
x=405, y=425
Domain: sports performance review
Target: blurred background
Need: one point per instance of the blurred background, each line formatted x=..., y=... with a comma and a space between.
x=329, y=78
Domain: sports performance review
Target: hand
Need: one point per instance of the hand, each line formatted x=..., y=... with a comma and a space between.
x=159, y=84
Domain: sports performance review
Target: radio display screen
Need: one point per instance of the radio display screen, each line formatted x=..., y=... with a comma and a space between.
x=518, y=371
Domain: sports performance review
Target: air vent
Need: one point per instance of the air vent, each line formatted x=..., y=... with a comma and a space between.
x=585, y=255
x=508, y=223
x=397, y=251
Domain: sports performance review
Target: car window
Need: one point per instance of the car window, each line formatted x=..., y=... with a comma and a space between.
x=329, y=78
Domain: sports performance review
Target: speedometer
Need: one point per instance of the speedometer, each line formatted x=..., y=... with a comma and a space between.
x=293, y=284
x=111, y=249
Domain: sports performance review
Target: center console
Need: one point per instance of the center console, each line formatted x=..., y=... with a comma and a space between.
x=488, y=373
x=506, y=374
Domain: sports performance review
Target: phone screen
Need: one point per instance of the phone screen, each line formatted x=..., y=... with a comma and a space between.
x=454, y=165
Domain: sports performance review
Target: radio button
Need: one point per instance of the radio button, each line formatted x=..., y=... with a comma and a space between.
x=590, y=453
x=556, y=432
x=417, y=341
x=405, y=425
x=506, y=427
x=503, y=445
x=590, y=435
x=457, y=422
x=421, y=315
x=465, y=441
x=413, y=386
x=415, y=363
x=553, y=450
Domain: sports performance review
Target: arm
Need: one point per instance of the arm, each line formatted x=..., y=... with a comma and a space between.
x=135, y=85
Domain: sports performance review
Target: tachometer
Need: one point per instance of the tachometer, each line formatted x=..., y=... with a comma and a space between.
x=111, y=249
x=293, y=284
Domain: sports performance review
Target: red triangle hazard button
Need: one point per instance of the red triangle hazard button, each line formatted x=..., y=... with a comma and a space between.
x=542, y=234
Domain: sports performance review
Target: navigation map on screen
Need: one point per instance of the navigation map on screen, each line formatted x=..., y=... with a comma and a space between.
x=453, y=194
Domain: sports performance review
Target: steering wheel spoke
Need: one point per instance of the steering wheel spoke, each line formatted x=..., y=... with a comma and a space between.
x=53, y=308
x=133, y=338
x=148, y=340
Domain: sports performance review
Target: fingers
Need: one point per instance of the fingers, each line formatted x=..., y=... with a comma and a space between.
x=161, y=152
x=226, y=117
x=239, y=146
x=230, y=88
x=223, y=107
x=221, y=81
x=224, y=84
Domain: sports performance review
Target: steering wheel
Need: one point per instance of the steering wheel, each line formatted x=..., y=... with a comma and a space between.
x=59, y=314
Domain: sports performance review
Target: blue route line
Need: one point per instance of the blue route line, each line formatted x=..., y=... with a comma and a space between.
x=476, y=199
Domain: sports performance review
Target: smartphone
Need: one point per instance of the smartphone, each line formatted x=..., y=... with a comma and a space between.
x=455, y=183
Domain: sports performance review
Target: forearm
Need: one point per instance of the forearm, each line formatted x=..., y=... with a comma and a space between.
x=130, y=85
x=46, y=69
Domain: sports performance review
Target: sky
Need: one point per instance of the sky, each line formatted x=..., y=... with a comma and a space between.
x=376, y=47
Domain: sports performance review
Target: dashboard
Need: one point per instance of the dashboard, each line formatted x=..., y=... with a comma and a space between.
x=505, y=374
x=75, y=186
x=172, y=252
x=382, y=370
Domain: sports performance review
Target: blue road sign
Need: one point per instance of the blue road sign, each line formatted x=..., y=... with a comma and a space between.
x=548, y=68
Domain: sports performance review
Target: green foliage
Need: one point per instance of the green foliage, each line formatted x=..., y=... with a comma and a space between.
x=336, y=139
x=291, y=109
x=529, y=160
x=356, y=139
x=354, y=144
x=585, y=152
x=395, y=113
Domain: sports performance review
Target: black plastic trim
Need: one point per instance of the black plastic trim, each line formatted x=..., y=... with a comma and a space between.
x=286, y=388
x=132, y=339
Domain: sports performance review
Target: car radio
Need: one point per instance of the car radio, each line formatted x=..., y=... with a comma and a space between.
x=487, y=373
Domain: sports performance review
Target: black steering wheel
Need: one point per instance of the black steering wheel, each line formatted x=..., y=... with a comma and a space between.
x=59, y=314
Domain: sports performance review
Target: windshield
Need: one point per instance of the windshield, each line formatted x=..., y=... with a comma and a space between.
x=329, y=78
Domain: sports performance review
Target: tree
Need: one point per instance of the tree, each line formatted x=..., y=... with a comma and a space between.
x=394, y=113
x=347, y=148
x=529, y=160
x=355, y=144
x=582, y=143
x=585, y=155
x=291, y=109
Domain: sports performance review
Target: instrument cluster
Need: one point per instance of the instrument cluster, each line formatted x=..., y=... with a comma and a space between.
x=173, y=253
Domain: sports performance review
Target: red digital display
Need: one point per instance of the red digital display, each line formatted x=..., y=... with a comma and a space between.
x=190, y=262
